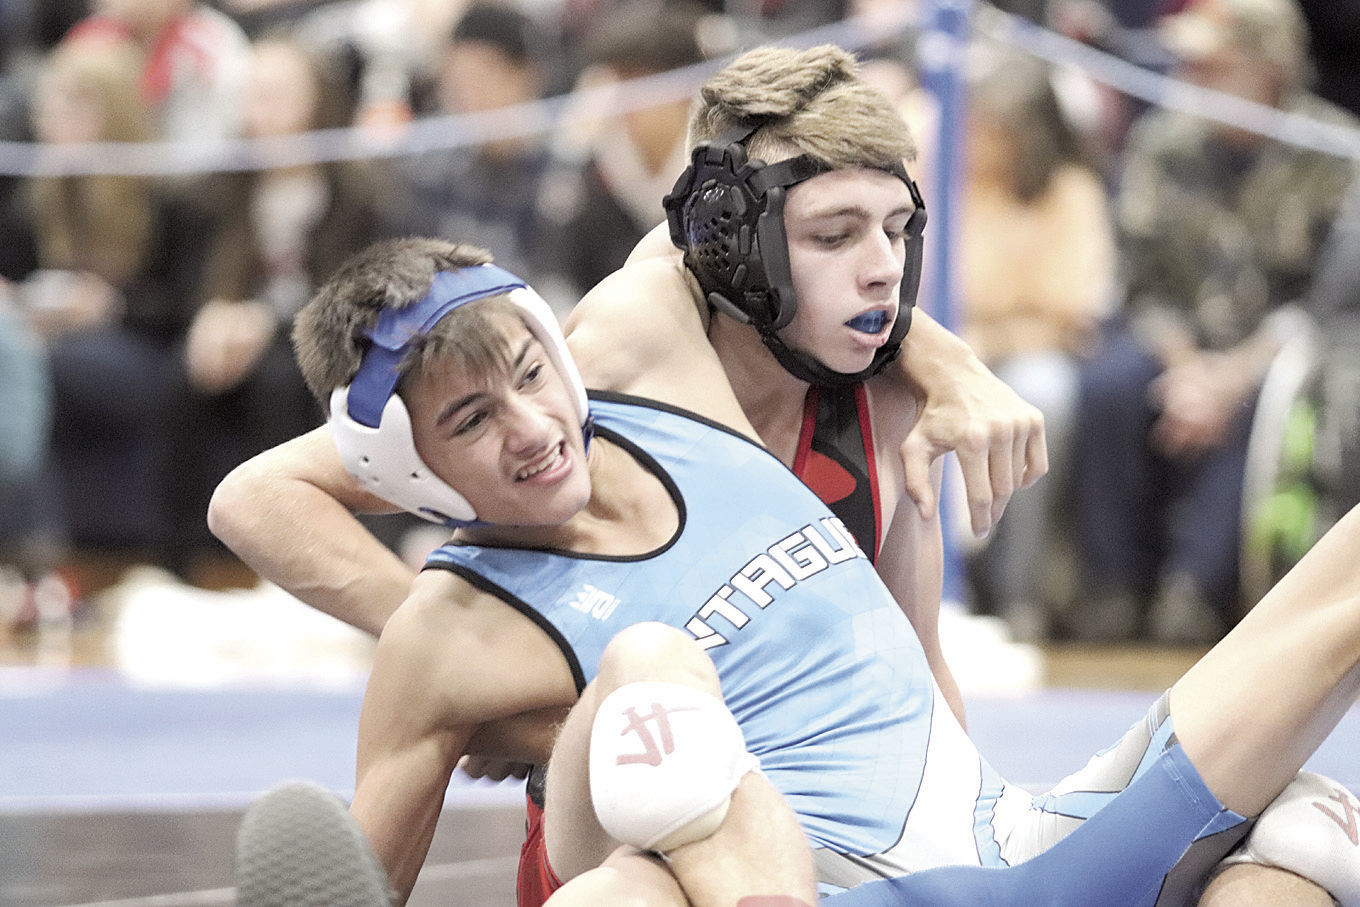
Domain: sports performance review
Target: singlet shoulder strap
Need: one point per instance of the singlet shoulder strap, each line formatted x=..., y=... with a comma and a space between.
x=835, y=459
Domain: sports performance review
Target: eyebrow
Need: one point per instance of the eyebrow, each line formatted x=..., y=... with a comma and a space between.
x=857, y=211
x=448, y=412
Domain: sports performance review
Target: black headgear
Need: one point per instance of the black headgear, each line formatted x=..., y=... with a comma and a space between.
x=727, y=213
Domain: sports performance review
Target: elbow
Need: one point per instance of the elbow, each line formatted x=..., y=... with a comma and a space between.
x=226, y=506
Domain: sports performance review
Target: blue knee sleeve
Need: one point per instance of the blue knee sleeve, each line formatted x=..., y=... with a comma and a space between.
x=1119, y=856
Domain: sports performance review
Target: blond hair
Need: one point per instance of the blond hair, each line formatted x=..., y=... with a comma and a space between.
x=812, y=102
x=99, y=223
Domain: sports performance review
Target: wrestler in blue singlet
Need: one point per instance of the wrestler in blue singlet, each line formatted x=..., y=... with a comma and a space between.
x=820, y=666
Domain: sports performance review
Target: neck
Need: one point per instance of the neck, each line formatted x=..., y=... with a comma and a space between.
x=771, y=398
x=626, y=514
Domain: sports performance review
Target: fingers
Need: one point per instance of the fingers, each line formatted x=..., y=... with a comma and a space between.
x=1003, y=465
x=1000, y=451
x=493, y=769
x=984, y=466
x=1002, y=459
x=1036, y=455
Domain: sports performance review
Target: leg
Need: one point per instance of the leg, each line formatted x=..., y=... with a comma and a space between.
x=1306, y=842
x=1114, y=475
x=758, y=849
x=628, y=878
x=1249, y=885
x=1260, y=702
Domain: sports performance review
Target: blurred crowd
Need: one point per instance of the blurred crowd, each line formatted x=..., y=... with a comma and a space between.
x=1134, y=271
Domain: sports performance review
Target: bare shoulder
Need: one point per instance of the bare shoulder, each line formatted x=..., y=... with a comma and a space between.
x=640, y=331
x=474, y=656
x=643, y=310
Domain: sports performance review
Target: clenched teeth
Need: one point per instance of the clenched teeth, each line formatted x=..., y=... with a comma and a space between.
x=550, y=460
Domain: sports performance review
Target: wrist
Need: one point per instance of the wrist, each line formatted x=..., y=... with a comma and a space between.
x=933, y=358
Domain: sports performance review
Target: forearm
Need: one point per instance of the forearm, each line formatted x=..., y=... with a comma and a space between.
x=934, y=360
x=997, y=436
x=298, y=535
x=911, y=565
x=398, y=812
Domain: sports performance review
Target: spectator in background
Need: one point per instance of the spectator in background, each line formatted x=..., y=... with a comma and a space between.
x=604, y=192
x=17, y=255
x=30, y=537
x=282, y=230
x=1305, y=477
x=1035, y=273
x=193, y=62
x=1334, y=28
x=495, y=57
x=1219, y=230
x=121, y=261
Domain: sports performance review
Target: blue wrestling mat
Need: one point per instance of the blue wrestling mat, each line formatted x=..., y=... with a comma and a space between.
x=87, y=740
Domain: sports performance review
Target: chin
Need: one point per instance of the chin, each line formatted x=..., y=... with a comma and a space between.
x=851, y=365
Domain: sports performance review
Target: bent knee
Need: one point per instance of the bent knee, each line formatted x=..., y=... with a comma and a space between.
x=656, y=651
x=664, y=761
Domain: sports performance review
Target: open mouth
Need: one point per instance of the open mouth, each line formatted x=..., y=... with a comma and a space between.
x=552, y=458
x=869, y=322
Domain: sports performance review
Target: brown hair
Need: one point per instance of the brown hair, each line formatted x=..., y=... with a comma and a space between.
x=811, y=101
x=1016, y=93
x=329, y=333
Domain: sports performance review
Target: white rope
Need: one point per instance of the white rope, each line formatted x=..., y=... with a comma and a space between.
x=542, y=116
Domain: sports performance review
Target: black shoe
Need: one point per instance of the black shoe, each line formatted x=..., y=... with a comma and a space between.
x=298, y=846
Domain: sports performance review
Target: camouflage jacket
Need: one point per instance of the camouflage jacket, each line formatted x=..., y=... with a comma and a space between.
x=1213, y=238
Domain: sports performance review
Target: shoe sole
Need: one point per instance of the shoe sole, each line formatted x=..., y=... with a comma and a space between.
x=298, y=846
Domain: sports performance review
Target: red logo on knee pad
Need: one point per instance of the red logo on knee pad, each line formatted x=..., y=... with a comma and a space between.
x=652, y=750
x=1348, y=807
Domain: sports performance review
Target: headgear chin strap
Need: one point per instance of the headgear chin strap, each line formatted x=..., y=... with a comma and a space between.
x=727, y=213
x=371, y=425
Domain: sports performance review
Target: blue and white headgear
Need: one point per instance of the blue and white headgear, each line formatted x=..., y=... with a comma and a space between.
x=371, y=425
x=727, y=213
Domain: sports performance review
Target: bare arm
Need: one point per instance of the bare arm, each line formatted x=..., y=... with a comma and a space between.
x=423, y=709
x=639, y=332
x=408, y=748
x=911, y=564
x=289, y=514
x=997, y=436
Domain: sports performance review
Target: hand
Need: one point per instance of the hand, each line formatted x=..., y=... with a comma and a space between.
x=997, y=437
x=1199, y=398
x=493, y=769
x=225, y=343
x=59, y=302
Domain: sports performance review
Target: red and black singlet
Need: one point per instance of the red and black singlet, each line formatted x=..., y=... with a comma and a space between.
x=835, y=458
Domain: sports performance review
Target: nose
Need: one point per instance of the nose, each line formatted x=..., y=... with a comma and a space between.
x=883, y=261
x=527, y=426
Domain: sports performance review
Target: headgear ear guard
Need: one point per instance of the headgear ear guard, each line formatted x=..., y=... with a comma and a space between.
x=371, y=425
x=727, y=213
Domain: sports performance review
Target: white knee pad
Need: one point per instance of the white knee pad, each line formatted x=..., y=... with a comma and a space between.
x=1313, y=830
x=664, y=760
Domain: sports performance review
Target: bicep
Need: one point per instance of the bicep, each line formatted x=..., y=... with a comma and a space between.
x=289, y=514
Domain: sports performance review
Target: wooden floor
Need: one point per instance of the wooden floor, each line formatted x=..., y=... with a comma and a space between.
x=168, y=857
